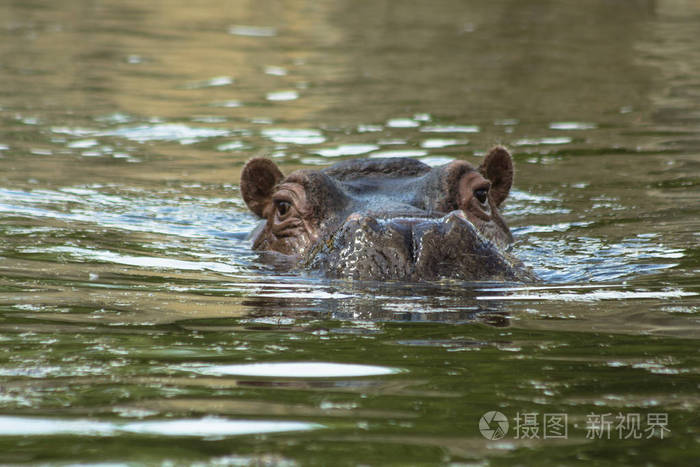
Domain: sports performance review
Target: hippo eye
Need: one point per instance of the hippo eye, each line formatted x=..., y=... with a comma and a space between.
x=283, y=207
x=481, y=194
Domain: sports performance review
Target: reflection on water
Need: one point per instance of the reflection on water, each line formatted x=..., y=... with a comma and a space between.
x=133, y=313
x=293, y=370
x=205, y=427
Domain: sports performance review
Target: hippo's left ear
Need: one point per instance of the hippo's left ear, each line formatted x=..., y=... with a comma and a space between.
x=498, y=169
x=258, y=181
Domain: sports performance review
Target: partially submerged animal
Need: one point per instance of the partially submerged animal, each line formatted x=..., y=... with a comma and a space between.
x=388, y=219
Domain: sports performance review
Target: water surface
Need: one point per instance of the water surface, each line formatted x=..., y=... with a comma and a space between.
x=137, y=327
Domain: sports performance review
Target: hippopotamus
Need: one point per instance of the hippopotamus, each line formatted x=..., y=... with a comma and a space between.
x=388, y=219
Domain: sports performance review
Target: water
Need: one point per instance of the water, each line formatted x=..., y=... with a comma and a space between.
x=137, y=327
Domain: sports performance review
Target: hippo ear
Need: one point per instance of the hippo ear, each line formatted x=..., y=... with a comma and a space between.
x=258, y=181
x=498, y=169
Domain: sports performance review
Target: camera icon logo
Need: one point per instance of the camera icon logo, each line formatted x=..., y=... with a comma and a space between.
x=493, y=425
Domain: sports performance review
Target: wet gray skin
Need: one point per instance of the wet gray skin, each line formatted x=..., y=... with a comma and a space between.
x=388, y=219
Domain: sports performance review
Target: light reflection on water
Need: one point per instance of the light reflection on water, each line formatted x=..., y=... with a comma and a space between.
x=205, y=427
x=293, y=370
x=128, y=288
x=221, y=230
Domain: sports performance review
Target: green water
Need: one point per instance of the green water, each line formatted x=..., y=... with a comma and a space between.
x=137, y=327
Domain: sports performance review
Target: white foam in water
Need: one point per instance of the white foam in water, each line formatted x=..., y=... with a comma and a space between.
x=593, y=296
x=141, y=261
x=166, y=216
x=203, y=427
x=312, y=294
x=295, y=370
x=561, y=227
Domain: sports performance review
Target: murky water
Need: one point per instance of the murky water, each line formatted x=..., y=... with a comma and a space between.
x=138, y=328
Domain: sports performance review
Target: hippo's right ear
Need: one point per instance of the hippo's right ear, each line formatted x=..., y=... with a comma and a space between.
x=258, y=181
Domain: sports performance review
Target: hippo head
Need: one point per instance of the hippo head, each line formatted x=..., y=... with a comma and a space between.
x=387, y=219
